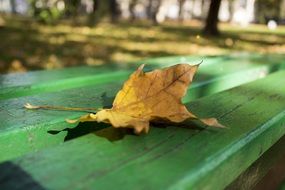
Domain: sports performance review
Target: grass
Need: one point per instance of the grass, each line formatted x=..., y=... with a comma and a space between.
x=26, y=45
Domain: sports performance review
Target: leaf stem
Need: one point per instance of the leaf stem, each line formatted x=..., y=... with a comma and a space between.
x=29, y=106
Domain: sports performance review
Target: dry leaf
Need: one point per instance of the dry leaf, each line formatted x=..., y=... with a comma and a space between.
x=150, y=97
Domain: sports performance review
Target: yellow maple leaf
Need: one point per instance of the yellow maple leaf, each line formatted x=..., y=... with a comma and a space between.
x=150, y=97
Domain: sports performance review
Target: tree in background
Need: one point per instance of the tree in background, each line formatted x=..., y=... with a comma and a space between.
x=211, y=26
x=49, y=11
x=71, y=8
x=13, y=6
x=181, y=5
x=152, y=10
x=34, y=10
x=99, y=8
x=132, y=5
x=114, y=10
x=102, y=9
x=266, y=10
x=231, y=10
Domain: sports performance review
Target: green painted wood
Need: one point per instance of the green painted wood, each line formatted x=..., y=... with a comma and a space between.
x=17, y=85
x=23, y=130
x=166, y=158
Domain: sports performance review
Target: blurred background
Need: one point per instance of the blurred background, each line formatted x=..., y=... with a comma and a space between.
x=49, y=34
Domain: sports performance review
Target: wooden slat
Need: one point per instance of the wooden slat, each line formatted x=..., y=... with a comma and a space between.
x=172, y=157
x=17, y=85
x=26, y=130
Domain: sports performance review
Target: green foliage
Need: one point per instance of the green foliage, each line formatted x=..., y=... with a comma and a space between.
x=50, y=15
x=45, y=12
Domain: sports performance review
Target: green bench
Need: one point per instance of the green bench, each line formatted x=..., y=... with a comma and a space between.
x=39, y=150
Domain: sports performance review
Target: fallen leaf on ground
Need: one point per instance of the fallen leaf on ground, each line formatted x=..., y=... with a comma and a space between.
x=150, y=97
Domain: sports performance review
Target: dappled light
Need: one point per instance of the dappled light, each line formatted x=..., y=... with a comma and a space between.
x=49, y=47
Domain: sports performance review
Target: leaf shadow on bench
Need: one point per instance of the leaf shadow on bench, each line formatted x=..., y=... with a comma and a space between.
x=107, y=100
x=99, y=129
x=110, y=133
x=107, y=131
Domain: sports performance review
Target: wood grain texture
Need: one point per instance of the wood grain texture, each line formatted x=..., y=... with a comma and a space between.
x=171, y=157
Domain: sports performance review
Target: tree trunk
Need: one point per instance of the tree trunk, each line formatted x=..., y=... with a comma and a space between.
x=97, y=13
x=114, y=10
x=13, y=6
x=71, y=8
x=278, y=7
x=132, y=5
x=149, y=9
x=103, y=9
x=211, y=27
x=231, y=10
x=35, y=10
x=180, y=13
x=152, y=10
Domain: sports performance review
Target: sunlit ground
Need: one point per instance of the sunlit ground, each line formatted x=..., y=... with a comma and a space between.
x=26, y=45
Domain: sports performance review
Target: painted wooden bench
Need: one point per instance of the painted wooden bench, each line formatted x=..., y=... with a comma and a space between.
x=40, y=150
